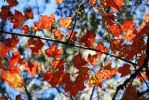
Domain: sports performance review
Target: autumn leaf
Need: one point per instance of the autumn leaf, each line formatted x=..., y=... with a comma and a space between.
x=146, y=17
x=105, y=73
x=32, y=68
x=92, y=2
x=35, y=45
x=131, y=93
x=55, y=78
x=66, y=22
x=101, y=48
x=92, y=59
x=115, y=30
x=128, y=24
x=116, y=45
x=124, y=70
x=88, y=38
x=114, y=4
x=12, y=2
x=17, y=19
x=5, y=13
x=14, y=69
x=46, y=22
x=25, y=29
x=3, y=50
x=28, y=14
x=58, y=1
x=52, y=51
x=58, y=64
x=79, y=61
x=72, y=36
x=129, y=35
x=15, y=81
x=16, y=59
x=142, y=77
x=2, y=63
x=57, y=34
x=12, y=42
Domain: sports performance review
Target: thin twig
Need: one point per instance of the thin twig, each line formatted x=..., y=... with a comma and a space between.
x=63, y=42
x=92, y=93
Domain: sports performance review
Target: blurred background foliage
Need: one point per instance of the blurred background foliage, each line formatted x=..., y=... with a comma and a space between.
x=88, y=19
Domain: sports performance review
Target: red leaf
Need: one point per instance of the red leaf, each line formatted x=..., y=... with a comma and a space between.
x=17, y=19
x=25, y=29
x=55, y=78
x=79, y=61
x=16, y=59
x=32, y=68
x=35, y=45
x=93, y=59
x=3, y=50
x=5, y=12
x=58, y=64
x=12, y=2
x=124, y=70
x=88, y=38
x=28, y=14
x=12, y=42
x=52, y=51
x=73, y=36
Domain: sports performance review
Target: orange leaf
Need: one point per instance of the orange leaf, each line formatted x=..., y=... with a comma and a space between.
x=16, y=59
x=32, y=68
x=25, y=29
x=79, y=61
x=88, y=38
x=52, y=51
x=128, y=25
x=101, y=47
x=57, y=34
x=129, y=35
x=93, y=59
x=66, y=22
x=146, y=17
x=124, y=70
x=35, y=45
x=13, y=79
x=115, y=30
x=97, y=78
x=58, y=1
x=3, y=50
x=92, y=2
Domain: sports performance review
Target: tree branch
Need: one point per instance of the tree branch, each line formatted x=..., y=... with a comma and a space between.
x=70, y=44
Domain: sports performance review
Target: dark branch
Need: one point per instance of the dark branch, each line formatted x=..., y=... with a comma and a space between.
x=70, y=44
